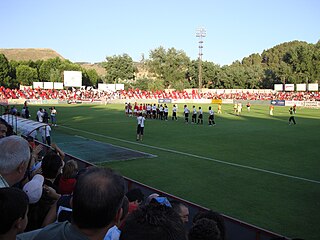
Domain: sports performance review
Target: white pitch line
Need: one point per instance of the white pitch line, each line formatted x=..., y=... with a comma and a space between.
x=200, y=157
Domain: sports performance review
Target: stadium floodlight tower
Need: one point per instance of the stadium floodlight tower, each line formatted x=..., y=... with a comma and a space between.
x=200, y=33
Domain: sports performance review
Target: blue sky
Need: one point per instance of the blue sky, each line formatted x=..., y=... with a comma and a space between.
x=91, y=30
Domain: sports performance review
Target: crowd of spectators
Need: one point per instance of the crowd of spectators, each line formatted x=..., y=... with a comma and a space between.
x=90, y=94
x=44, y=196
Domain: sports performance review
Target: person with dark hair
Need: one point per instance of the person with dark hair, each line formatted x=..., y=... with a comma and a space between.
x=204, y=229
x=291, y=118
x=13, y=209
x=215, y=216
x=51, y=166
x=135, y=195
x=211, y=117
x=96, y=206
x=156, y=222
x=186, y=114
x=200, y=117
x=181, y=209
x=140, y=127
x=3, y=130
x=194, y=115
x=174, y=113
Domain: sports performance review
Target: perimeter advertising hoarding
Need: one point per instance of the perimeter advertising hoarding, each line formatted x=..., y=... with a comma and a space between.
x=289, y=87
x=72, y=78
x=166, y=100
x=278, y=87
x=58, y=85
x=313, y=87
x=301, y=87
x=48, y=85
x=37, y=85
x=278, y=102
x=216, y=101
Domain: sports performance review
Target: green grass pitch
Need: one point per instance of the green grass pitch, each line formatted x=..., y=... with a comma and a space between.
x=253, y=167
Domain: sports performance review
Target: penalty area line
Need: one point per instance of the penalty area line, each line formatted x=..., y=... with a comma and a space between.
x=199, y=157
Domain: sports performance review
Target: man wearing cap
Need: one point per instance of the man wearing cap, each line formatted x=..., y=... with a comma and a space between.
x=14, y=159
x=34, y=188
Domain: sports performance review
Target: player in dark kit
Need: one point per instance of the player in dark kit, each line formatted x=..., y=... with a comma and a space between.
x=291, y=118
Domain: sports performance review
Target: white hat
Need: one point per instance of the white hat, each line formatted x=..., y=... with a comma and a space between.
x=34, y=188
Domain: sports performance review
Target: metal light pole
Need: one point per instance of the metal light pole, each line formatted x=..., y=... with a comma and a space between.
x=200, y=33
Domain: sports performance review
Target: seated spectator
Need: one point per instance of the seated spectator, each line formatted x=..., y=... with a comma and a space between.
x=204, y=229
x=156, y=222
x=181, y=209
x=51, y=166
x=14, y=159
x=97, y=200
x=114, y=232
x=67, y=180
x=13, y=208
x=135, y=197
x=215, y=216
x=3, y=130
x=33, y=188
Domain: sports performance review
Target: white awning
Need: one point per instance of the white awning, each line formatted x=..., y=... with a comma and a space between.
x=23, y=126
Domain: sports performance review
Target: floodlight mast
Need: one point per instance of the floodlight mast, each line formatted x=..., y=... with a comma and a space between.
x=200, y=33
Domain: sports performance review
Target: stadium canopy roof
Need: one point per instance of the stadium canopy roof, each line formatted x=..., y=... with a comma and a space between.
x=23, y=126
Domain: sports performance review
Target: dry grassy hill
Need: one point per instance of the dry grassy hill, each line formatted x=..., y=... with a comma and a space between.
x=25, y=54
x=34, y=54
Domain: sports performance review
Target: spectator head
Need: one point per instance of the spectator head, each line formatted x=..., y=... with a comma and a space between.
x=51, y=165
x=3, y=130
x=14, y=209
x=34, y=188
x=181, y=209
x=97, y=199
x=204, y=229
x=135, y=195
x=14, y=158
x=154, y=222
x=215, y=216
x=150, y=197
x=70, y=169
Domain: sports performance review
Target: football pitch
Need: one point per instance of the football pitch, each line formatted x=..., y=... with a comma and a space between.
x=254, y=167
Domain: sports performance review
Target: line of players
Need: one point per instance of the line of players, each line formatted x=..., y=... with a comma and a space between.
x=159, y=111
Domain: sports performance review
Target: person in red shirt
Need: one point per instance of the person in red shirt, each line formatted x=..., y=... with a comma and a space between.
x=68, y=178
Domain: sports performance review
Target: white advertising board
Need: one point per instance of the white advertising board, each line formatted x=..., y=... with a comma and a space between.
x=48, y=85
x=72, y=78
x=289, y=87
x=301, y=87
x=37, y=85
x=58, y=85
x=313, y=87
x=278, y=87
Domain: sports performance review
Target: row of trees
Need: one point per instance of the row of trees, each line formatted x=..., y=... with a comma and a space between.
x=15, y=73
x=292, y=62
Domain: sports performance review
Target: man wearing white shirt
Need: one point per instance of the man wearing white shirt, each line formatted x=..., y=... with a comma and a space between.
x=140, y=128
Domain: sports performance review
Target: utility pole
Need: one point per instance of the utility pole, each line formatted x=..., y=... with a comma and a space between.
x=200, y=33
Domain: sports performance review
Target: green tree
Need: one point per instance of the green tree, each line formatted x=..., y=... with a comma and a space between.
x=169, y=66
x=26, y=75
x=5, y=79
x=119, y=68
x=45, y=71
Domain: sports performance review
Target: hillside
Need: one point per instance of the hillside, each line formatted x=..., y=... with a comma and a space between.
x=25, y=54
